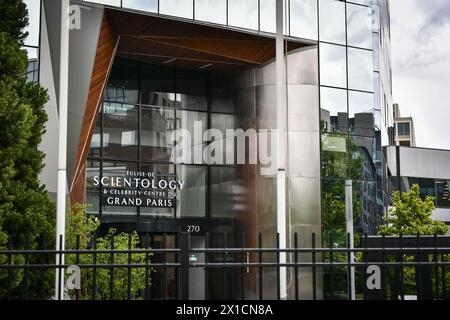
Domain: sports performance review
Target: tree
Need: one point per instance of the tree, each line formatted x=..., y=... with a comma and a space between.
x=81, y=234
x=411, y=215
x=27, y=214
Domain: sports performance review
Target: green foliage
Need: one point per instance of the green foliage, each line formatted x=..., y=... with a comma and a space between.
x=411, y=215
x=82, y=227
x=27, y=215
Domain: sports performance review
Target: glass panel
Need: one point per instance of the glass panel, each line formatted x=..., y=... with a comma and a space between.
x=334, y=111
x=226, y=188
x=157, y=127
x=333, y=65
x=96, y=140
x=363, y=152
x=303, y=20
x=192, y=199
x=360, y=69
x=123, y=82
x=267, y=15
x=334, y=156
x=188, y=120
x=33, y=64
x=191, y=91
x=33, y=28
x=442, y=194
x=166, y=171
x=359, y=26
x=144, y=5
x=332, y=21
x=179, y=8
x=116, y=170
x=211, y=11
x=158, y=86
x=243, y=14
x=107, y=2
x=362, y=120
x=92, y=192
x=120, y=122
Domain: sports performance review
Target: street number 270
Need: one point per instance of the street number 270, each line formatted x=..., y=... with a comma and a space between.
x=193, y=228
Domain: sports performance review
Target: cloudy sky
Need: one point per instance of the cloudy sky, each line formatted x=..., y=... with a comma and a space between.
x=421, y=67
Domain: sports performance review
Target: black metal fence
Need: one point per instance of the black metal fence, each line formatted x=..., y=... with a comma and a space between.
x=392, y=268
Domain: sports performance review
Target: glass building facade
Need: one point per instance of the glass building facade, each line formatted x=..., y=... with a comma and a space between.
x=339, y=115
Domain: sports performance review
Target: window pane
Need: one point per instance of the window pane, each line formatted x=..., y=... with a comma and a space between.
x=123, y=82
x=158, y=86
x=211, y=11
x=192, y=202
x=334, y=112
x=191, y=91
x=179, y=8
x=333, y=65
x=334, y=155
x=243, y=14
x=144, y=5
x=120, y=122
x=332, y=21
x=360, y=69
x=92, y=192
x=362, y=120
x=107, y=2
x=226, y=188
x=268, y=15
x=359, y=24
x=303, y=20
x=157, y=126
x=33, y=64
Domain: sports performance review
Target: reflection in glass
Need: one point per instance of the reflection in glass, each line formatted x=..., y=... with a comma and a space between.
x=120, y=122
x=226, y=188
x=360, y=69
x=157, y=86
x=334, y=156
x=192, y=201
x=92, y=192
x=303, y=20
x=157, y=126
x=332, y=21
x=115, y=3
x=361, y=113
x=191, y=91
x=178, y=8
x=33, y=64
x=211, y=11
x=123, y=82
x=334, y=111
x=333, y=65
x=442, y=194
x=143, y=5
x=359, y=26
x=243, y=14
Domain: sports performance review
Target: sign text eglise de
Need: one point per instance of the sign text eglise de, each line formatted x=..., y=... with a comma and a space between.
x=139, y=189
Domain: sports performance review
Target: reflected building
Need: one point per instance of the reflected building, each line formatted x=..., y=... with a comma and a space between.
x=141, y=72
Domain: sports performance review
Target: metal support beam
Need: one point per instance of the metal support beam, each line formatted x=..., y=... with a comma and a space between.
x=350, y=233
x=282, y=141
x=62, y=147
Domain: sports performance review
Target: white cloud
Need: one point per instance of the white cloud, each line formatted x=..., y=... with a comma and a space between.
x=421, y=67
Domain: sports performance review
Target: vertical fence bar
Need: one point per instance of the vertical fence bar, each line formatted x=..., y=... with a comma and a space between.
x=443, y=276
x=224, y=270
x=130, y=238
x=402, y=285
x=332, y=282
x=60, y=267
x=278, y=268
x=418, y=269
x=26, y=269
x=383, y=259
x=296, y=264
x=313, y=239
x=260, y=269
x=349, y=268
x=111, y=270
x=147, y=288
x=77, y=262
x=10, y=280
x=436, y=267
x=244, y=259
x=206, y=266
x=164, y=295
x=94, y=269
x=42, y=271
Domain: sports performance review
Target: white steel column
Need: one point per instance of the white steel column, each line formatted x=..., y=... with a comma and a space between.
x=281, y=145
x=349, y=229
x=62, y=146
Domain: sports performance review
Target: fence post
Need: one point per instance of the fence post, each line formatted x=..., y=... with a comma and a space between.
x=184, y=262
